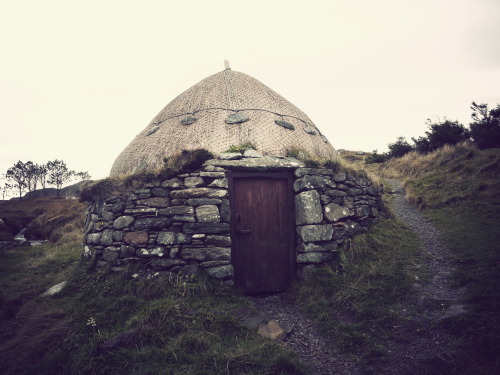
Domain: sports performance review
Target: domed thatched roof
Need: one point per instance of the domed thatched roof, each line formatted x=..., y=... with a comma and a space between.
x=227, y=108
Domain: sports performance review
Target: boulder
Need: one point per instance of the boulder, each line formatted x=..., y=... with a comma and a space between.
x=123, y=222
x=308, y=208
x=312, y=233
x=173, y=238
x=207, y=214
x=334, y=212
x=136, y=238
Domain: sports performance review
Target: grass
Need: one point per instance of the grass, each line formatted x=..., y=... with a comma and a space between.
x=353, y=303
x=55, y=219
x=241, y=148
x=185, y=325
x=457, y=189
x=186, y=161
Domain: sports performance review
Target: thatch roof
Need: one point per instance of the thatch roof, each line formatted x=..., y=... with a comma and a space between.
x=227, y=108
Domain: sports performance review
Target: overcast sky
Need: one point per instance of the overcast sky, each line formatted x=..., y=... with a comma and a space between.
x=79, y=79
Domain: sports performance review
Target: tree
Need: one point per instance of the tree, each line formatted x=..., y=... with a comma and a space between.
x=444, y=133
x=84, y=176
x=374, y=157
x=399, y=148
x=58, y=174
x=32, y=177
x=485, y=130
x=42, y=172
x=422, y=145
x=5, y=188
x=17, y=176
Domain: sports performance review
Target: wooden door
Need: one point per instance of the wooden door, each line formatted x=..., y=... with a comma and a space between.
x=263, y=239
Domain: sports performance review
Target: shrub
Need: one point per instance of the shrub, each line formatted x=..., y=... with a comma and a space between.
x=399, y=148
x=485, y=131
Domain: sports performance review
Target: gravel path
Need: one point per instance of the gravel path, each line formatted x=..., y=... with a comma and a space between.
x=304, y=339
x=419, y=335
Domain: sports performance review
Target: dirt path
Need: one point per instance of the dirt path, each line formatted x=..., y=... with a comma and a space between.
x=304, y=338
x=421, y=336
x=418, y=337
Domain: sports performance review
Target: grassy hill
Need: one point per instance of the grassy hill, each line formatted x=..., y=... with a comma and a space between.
x=187, y=326
x=457, y=188
x=55, y=219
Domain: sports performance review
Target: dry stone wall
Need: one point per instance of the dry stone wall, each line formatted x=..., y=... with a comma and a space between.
x=183, y=224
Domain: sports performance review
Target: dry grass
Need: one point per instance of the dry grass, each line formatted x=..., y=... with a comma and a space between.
x=183, y=162
x=414, y=165
x=54, y=219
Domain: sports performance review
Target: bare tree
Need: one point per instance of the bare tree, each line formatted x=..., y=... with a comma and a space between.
x=17, y=175
x=58, y=174
x=84, y=176
x=43, y=171
x=5, y=187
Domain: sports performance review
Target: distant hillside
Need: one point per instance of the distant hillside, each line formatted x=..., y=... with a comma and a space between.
x=71, y=191
x=53, y=219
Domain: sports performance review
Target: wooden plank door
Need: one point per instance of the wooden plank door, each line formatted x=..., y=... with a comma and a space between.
x=263, y=251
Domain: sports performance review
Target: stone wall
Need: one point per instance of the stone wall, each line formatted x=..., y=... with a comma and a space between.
x=183, y=223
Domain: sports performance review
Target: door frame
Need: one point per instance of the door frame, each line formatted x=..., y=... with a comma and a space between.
x=290, y=198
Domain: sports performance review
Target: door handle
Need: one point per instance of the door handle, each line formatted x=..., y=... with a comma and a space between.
x=243, y=231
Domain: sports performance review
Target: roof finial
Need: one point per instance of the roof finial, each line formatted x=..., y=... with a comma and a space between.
x=226, y=65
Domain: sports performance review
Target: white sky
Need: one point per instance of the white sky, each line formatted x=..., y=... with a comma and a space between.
x=79, y=79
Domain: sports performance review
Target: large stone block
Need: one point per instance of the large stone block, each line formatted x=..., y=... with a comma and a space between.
x=309, y=182
x=141, y=211
x=308, y=208
x=301, y=172
x=173, y=238
x=184, y=218
x=218, y=240
x=198, y=193
x=192, y=182
x=160, y=192
x=354, y=191
x=203, y=201
x=94, y=238
x=123, y=222
x=373, y=190
x=152, y=223
x=107, y=237
x=111, y=254
x=339, y=177
x=335, y=193
x=219, y=183
x=173, y=183
x=136, y=238
x=127, y=251
x=362, y=211
x=154, y=202
x=207, y=214
x=334, y=212
x=313, y=233
x=204, y=254
x=176, y=210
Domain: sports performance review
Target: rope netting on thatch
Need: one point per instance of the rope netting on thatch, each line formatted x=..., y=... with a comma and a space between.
x=227, y=108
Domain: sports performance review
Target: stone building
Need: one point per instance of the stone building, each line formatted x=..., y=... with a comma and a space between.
x=256, y=217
